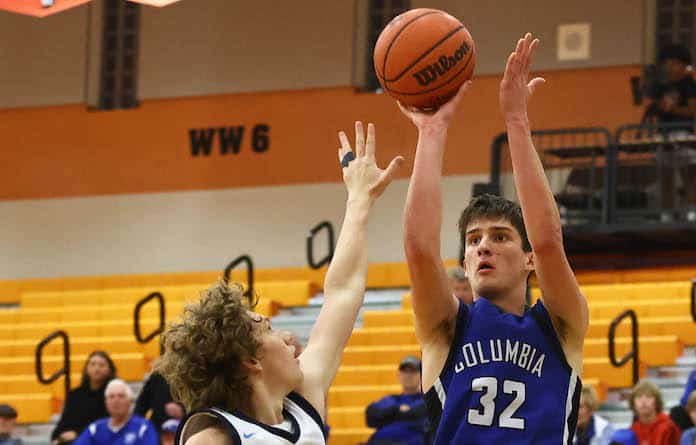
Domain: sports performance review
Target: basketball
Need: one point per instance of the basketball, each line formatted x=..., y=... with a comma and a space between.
x=423, y=56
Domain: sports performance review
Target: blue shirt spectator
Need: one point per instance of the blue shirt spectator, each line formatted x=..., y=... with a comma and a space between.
x=400, y=419
x=679, y=413
x=136, y=431
x=120, y=428
x=624, y=436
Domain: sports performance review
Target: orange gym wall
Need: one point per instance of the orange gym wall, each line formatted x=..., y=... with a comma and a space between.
x=67, y=151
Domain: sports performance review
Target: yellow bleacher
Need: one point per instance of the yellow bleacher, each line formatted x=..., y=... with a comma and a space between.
x=99, y=319
x=386, y=336
x=102, y=319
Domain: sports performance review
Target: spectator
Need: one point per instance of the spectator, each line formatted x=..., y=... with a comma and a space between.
x=85, y=404
x=459, y=284
x=156, y=396
x=689, y=436
x=651, y=426
x=624, y=436
x=169, y=432
x=8, y=419
x=675, y=99
x=678, y=413
x=120, y=428
x=400, y=419
x=591, y=429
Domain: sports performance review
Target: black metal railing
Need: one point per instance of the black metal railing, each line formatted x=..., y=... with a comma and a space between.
x=246, y=259
x=652, y=170
x=633, y=353
x=64, y=371
x=576, y=161
x=693, y=300
x=637, y=173
x=331, y=244
x=136, y=319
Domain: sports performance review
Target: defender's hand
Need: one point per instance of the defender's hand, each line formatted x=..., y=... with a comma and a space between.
x=361, y=175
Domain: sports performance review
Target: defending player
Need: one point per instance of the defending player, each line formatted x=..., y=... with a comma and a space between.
x=244, y=380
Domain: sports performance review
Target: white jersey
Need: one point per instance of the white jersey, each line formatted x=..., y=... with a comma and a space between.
x=306, y=426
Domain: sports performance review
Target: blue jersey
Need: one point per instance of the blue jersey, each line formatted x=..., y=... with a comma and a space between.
x=137, y=431
x=505, y=381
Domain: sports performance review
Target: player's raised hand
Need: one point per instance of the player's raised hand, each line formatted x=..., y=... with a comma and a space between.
x=515, y=88
x=438, y=119
x=361, y=175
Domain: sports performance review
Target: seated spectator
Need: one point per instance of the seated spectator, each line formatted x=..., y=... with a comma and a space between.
x=651, y=426
x=8, y=420
x=624, y=436
x=400, y=419
x=689, y=435
x=678, y=413
x=120, y=428
x=156, y=396
x=169, y=432
x=85, y=404
x=459, y=284
x=591, y=429
x=676, y=98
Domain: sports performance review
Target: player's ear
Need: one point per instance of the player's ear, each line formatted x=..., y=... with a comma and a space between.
x=529, y=261
x=252, y=364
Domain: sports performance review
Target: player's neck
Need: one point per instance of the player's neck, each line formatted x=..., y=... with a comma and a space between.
x=265, y=406
x=512, y=302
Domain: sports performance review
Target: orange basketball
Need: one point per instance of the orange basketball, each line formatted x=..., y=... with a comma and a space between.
x=423, y=56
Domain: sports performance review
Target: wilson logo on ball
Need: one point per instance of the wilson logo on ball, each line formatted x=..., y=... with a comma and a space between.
x=430, y=73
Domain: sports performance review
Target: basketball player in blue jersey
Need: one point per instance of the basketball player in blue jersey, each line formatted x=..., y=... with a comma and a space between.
x=496, y=371
x=247, y=383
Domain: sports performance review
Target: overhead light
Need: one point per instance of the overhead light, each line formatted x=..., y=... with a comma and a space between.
x=39, y=8
x=43, y=8
x=158, y=3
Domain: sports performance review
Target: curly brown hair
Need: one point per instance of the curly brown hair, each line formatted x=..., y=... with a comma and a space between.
x=203, y=354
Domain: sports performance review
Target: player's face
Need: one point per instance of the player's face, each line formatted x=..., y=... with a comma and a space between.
x=493, y=257
x=118, y=402
x=645, y=405
x=277, y=354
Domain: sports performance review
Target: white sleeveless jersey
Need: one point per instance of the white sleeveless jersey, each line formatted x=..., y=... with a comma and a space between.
x=307, y=426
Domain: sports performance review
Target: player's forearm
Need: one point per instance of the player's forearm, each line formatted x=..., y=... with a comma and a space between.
x=423, y=213
x=536, y=199
x=348, y=269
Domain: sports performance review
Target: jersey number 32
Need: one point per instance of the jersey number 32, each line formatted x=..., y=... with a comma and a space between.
x=484, y=415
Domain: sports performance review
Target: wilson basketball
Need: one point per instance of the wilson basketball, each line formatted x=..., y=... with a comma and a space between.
x=423, y=56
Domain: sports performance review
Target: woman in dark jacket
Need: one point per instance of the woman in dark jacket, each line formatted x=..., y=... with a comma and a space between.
x=85, y=404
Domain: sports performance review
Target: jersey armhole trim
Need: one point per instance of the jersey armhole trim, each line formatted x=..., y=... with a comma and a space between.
x=543, y=319
x=309, y=409
x=236, y=440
